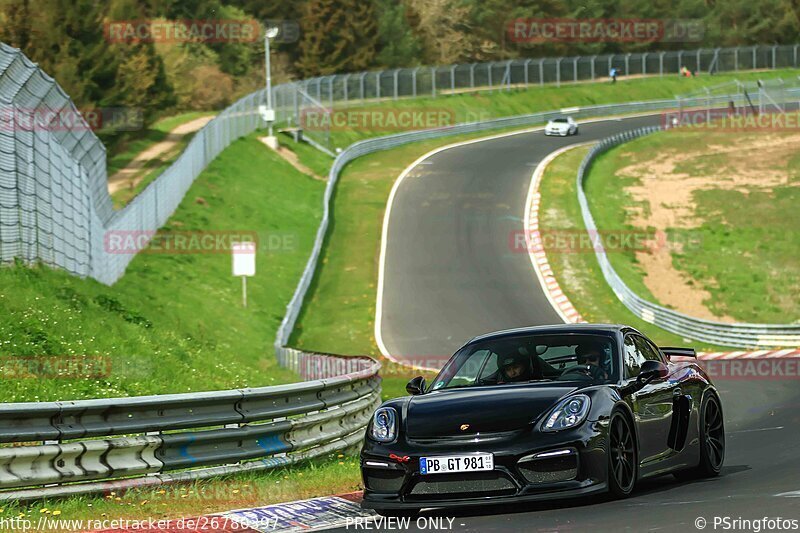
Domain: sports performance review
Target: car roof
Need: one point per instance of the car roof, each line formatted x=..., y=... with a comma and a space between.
x=598, y=329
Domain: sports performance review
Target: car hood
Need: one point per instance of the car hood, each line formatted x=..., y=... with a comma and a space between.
x=482, y=409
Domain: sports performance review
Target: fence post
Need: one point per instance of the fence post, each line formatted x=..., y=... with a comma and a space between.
x=489, y=75
x=774, y=49
x=528, y=62
x=795, y=56
x=698, y=60
x=453, y=78
x=378, y=85
x=344, y=86
x=433, y=81
x=627, y=64
x=558, y=71
x=736, y=59
x=508, y=73
x=755, y=57
x=396, y=72
x=330, y=89
x=644, y=63
x=680, y=60
x=541, y=72
x=472, y=76
x=575, y=69
x=361, y=83
x=591, y=66
x=661, y=64
x=414, y=82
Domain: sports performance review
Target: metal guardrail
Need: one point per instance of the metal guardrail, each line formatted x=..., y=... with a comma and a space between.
x=435, y=81
x=96, y=445
x=738, y=334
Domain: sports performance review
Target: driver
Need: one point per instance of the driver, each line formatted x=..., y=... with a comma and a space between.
x=514, y=368
x=593, y=356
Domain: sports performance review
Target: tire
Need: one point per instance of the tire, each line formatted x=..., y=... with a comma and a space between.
x=399, y=513
x=623, y=457
x=712, y=441
x=576, y=131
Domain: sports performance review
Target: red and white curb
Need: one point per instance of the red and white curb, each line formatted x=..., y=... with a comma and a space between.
x=561, y=303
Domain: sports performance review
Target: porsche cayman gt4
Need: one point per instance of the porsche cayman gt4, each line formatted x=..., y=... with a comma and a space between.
x=542, y=413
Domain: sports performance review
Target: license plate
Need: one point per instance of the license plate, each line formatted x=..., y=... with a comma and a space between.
x=456, y=463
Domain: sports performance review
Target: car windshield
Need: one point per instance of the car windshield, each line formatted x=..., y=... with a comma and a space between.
x=526, y=358
x=560, y=120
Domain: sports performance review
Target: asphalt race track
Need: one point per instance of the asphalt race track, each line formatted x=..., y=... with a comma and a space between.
x=450, y=270
x=450, y=274
x=760, y=478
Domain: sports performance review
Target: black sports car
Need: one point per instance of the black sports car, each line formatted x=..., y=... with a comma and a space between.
x=540, y=413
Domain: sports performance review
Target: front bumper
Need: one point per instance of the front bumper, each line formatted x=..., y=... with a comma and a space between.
x=559, y=133
x=527, y=467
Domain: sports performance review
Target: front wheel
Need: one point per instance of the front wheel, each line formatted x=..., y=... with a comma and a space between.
x=623, y=463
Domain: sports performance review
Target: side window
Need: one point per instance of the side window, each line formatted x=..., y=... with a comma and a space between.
x=633, y=358
x=648, y=351
x=490, y=367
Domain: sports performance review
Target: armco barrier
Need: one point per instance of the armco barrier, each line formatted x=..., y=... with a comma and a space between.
x=720, y=333
x=95, y=445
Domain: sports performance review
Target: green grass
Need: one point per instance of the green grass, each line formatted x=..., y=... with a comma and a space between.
x=174, y=323
x=579, y=274
x=125, y=152
x=336, y=474
x=517, y=101
x=744, y=251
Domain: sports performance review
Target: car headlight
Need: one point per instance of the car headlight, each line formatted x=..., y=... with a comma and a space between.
x=568, y=413
x=384, y=425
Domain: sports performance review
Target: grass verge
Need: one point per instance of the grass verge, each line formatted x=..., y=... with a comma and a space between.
x=732, y=233
x=336, y=474
x=174, y=322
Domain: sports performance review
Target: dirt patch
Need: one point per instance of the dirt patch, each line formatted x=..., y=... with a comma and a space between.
x=664, y=198
x=130, y=176
x=293, y=160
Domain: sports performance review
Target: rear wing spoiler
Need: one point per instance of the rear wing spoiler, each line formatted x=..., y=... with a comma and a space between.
x=678, y=352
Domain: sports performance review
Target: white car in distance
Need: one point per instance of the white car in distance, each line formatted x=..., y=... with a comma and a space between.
x=561, y=126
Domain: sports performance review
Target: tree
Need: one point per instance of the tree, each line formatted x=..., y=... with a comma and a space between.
x=400, y=47
x=337, y=36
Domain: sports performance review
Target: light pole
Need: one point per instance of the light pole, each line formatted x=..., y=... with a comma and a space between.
x=268, y=112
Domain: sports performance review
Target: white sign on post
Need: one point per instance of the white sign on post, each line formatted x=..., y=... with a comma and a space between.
x=244, y=263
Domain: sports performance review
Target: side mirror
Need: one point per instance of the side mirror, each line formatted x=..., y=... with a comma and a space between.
x=650, y=371
x=416, y=386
